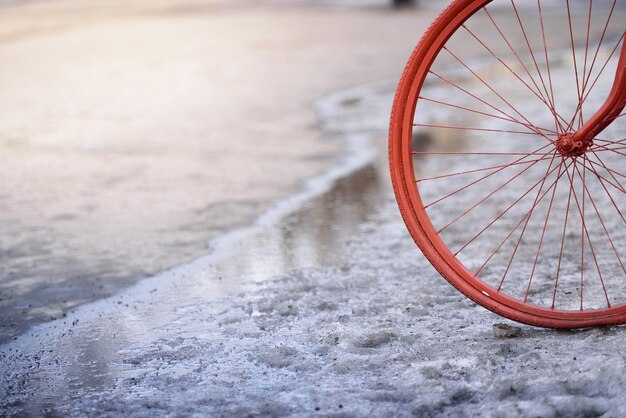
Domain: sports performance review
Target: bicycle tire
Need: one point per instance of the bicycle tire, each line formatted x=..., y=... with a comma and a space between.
x=418, y=216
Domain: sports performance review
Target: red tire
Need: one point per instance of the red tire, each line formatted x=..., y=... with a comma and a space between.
x=515, y=223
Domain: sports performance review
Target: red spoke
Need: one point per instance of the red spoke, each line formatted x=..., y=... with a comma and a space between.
x=611, y=171
x=604, y=31
x=619, y=141
x=558, y=269
x=541, y=181
x=543, y=233
x=586, y=95
x=464, y=128
x=477, y=170
x=530, y=214
x=581, y=118
x=532, y=54
x=614, y=150
x=606, y=231
x=585, y=234
x=478, y=180
x=479, y=78
x=606, y=63
x=525, y=154
x=497, y=250
x=545, y=49
x=532, y=79
x=487, y=197
x=618, y=186
x=521, y=62
x=571, y=33
x=582, y=247
x=538, y=95
x=485, y=114
x=531, y=127
x=619, y=212
x=608, y=147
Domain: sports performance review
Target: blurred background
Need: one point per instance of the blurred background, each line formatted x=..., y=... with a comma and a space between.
x=132, y=133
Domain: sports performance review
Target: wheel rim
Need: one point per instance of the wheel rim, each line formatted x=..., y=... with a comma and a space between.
x=589, y=181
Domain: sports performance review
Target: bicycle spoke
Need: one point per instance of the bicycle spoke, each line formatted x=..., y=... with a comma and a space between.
x=619, y=141
x=478, y=170
x=481, y=201
x=606, y=231
x=617, y=185
x=581, y=116
x=532, y=54
x=586, y=95
x=501, y=61
x=585, y=236
x=541, y=181
x=558, y=269
x=470, y=94
x=601, y=164
x=497, y=250
x=532, y=209
x=604, y=31
x=493, y=90
x=480, y=179
x=526, y=154
x=545, y=49
x=609, y=149
x=465, y=128
x=571, y=33
x=478, y=112
x=543, y=233
x=532, y=79
x=619, y=212
x=611, y=172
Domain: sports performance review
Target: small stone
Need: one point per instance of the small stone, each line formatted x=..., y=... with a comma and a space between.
x=506, y=331
x=287, y=309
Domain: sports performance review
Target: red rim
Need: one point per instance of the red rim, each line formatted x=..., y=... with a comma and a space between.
x=414, y=212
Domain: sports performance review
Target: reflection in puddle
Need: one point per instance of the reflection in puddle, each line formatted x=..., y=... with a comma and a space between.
x=315, y=235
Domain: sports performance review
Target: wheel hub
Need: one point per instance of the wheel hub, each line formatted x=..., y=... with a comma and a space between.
x=569, y=146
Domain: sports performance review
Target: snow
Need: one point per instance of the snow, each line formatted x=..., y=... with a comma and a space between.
x=381, y=335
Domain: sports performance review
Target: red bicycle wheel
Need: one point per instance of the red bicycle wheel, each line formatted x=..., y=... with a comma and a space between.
x=522, y=224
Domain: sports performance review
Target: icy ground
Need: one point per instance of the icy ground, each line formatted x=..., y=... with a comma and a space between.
x=374, y=337
x=380, y=335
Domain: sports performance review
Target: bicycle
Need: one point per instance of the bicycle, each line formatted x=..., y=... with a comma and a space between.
x=506, y=147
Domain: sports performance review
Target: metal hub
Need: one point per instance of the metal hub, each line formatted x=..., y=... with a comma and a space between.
x=570, y=147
